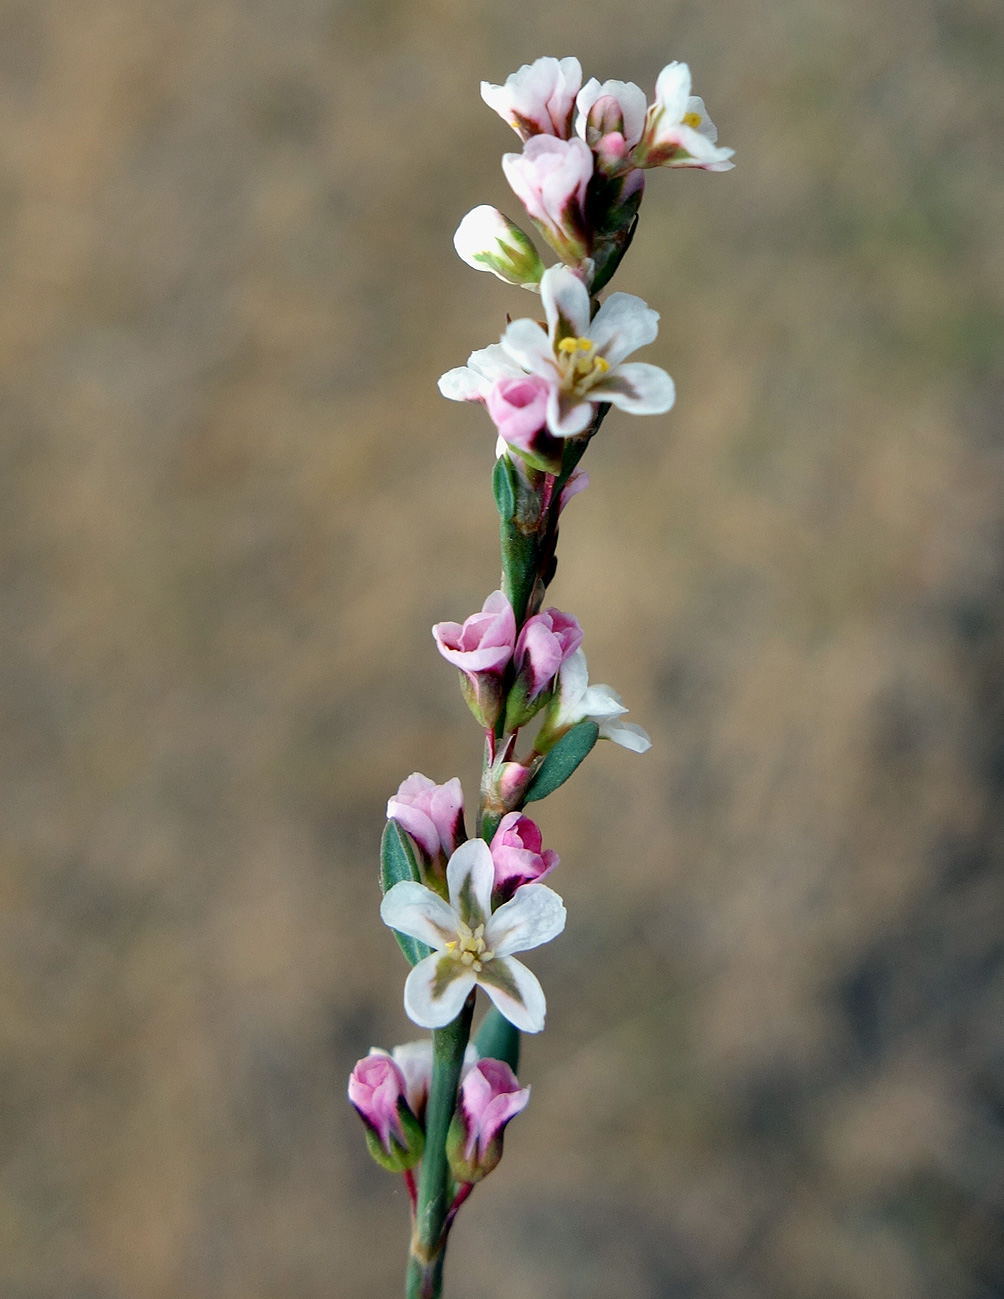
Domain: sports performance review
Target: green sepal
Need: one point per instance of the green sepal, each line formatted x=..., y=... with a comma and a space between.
x=520, y=708
x=399, y=1158
x=497, y=1039
x=397, y=863
x=504, y=488
x=562, y=760
x=474, y=1170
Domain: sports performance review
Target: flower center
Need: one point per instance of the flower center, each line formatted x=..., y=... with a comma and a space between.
x=470, y=948
x=693, y=120
x=578, y=365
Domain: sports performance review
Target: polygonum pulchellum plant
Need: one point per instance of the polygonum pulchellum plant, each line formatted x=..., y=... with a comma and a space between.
x=465, y=911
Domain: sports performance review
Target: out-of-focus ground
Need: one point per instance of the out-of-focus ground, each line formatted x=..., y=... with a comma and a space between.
x=234, y=503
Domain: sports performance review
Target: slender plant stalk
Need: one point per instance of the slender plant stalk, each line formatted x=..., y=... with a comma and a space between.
x=435, y=1185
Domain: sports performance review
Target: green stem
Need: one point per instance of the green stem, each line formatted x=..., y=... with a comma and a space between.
x=435, y=1185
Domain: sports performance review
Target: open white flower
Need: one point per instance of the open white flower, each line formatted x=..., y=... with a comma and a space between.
x=472, y=945
x=473, y=381
x=577, y=701
x=583, y=359
x=678, y=130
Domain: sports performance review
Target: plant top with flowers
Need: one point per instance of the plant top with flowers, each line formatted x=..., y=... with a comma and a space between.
x=464, y=909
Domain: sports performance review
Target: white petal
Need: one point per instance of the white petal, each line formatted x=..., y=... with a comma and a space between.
x=600, y=703
x=566, y=415
x=627, y=735
x=630, y=97
x=413, y=909
x=493, y=362
x=516, y=993
x=622, y=325
x=461, y=384
x=470, y=877
x=525, y=343
x=706, y=127
x=435, y=990
x=566, y=303
x=534, y=916
x=574, y=679
x=584, y=101
x=672, y=90
x=636, y=387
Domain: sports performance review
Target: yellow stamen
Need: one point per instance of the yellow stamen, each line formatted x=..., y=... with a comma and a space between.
x=692, y=120
x=568, y=345
x=451, y=946
x=584, y=344
x=601, y=365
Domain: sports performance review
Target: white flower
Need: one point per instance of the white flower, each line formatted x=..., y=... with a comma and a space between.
x=489, y=241
x=550, y=178
x=678, y=130
x=473, y=946
x=539, y=98
x=630, y=101
x=583, y=360
x=578, y=701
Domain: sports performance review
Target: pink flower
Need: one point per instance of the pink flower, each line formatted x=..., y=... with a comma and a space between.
x=539, y=98
x=490, y=1096
x=414, y=1059
x=378, y=1091
x=519, y=409
x=517, y=856
x=481, y=648
x=546, y=641
x=432, y=814
x=550, y=177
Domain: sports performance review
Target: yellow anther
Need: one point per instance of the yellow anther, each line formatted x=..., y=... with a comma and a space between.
x=568, y=345
x=584, y=344
x=600, y=364
x=692, y=120
x=450, y=946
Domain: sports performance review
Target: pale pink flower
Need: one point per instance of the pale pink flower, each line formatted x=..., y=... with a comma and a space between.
x=472, y=945
x=432, y=814
x=414, y=1060
x=481, y=648
x=518, y=408
x=518, y=855
x=546, y=641
x=376, y=1088
x=614, y=106
x=539, y=98
x=490, y=1096
x=550, y=177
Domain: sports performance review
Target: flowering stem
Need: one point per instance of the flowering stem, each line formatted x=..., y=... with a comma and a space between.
x=435, y=1187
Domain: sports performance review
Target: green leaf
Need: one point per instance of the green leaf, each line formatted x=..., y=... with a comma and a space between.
x=562, y=760
x=496, y=1039
x=504, y=488
x=397, y=863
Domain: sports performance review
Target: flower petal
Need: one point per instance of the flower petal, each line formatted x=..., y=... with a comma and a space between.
x=622, y=325
x=600, y=703
x=566, y=303
x=470, y=877
x=627, y=735
x=637, y=387
x=436, y=989
x=413, y=909
x=534, y=916
x=568, y=415
x=516, y=992
x=672, y=90
x=526, y=344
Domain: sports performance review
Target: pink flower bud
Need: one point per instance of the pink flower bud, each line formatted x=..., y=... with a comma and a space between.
x=546, y=641
x=376, y=1086
x=519, y=409
x=550, y=177
x=490, y=1096
x=481, y=649
x=517, y=856
x=432, y=814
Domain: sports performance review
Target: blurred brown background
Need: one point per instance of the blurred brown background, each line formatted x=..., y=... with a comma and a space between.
x=233, y=505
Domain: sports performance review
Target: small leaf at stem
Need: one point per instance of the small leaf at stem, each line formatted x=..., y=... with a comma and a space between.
x=497, y=1039
x=504, y=489
x=562, y=760
x=397, y=863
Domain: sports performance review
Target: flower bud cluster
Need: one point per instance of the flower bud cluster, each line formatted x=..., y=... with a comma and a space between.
x=390, y=1091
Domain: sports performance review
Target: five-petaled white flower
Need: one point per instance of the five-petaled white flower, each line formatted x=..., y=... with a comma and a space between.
x=583, y=359
x=576, y=700
x=473, y=946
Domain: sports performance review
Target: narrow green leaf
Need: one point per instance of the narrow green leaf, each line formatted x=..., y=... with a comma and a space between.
x=397, y=863
x=496, y=1039
x=504, y=489
x=562, y=760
